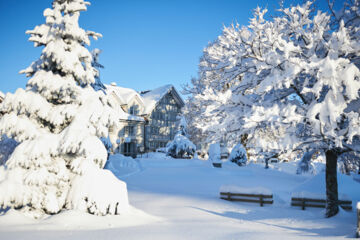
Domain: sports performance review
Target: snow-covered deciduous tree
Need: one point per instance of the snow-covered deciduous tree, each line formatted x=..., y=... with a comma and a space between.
x=57, y=121
x=319, y=83
x=238, y=155
x=181, y=146
x=350, y=162
x=222, y=94
x=289, y=84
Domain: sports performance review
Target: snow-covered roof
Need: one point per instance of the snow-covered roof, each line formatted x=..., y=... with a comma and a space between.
x=148, y=99
x=127, y=116
x=125, y=95
x=151, y=98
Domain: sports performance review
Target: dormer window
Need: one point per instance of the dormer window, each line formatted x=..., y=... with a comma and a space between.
x=134, y=110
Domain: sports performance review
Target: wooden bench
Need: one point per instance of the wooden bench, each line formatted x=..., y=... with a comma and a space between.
x=245, y=197
x=318, y=203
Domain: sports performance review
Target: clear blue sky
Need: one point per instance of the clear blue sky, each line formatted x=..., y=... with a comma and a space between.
x=145, y=44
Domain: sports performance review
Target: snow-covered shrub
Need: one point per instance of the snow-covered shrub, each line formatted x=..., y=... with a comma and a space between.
x=101, y=195
x=121, y=165
x=57, y=121
x=7, y=146
x=214, y=154
x=305, y=165
x=180, y=147
x=238, y=155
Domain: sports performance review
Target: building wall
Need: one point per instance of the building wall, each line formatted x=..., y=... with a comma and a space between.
x=162, y=123
x=131, y=140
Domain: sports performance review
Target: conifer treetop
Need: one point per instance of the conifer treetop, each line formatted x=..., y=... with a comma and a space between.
x=64, y=43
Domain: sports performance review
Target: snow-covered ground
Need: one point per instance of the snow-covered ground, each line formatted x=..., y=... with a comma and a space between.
x=179, y=199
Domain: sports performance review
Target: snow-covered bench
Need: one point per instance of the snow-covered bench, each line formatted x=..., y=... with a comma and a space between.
x=240, y=194
x=304, y=200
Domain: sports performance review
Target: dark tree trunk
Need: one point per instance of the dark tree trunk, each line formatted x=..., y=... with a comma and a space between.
x=266, y=163
x=332, y=207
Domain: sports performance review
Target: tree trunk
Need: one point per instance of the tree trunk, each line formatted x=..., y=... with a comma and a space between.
x=332, y=207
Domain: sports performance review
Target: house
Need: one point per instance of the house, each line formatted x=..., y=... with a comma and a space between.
x=155, y=117
x=162, y=107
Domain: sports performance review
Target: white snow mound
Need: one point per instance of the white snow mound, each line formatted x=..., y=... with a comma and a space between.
x=98, y=192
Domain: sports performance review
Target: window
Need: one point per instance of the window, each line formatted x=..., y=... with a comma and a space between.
x=134, y=110
x=154, y=130
x=129, y=130
x=127, y=148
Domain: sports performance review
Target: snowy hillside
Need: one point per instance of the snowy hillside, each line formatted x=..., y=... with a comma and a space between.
x=179, y=199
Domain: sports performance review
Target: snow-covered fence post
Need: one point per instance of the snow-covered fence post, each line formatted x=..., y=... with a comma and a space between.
x=214, y=155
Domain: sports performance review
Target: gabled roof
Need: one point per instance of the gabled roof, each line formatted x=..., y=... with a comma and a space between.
x=151, y=98
x=119, y=96
x=124, y=95
x=148, y=99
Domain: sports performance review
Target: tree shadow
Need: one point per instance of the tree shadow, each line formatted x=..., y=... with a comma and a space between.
x=3, y=211
x=332, y=229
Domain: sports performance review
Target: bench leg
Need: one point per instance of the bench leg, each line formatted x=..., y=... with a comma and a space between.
x=229, y=196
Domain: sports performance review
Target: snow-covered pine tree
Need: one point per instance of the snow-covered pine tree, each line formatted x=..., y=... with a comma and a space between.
x=182, y=126
x=192, y=110
x=181, y=146
x=238, y=155
x=7, y=146
x=98, y=85
x=58, y=120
